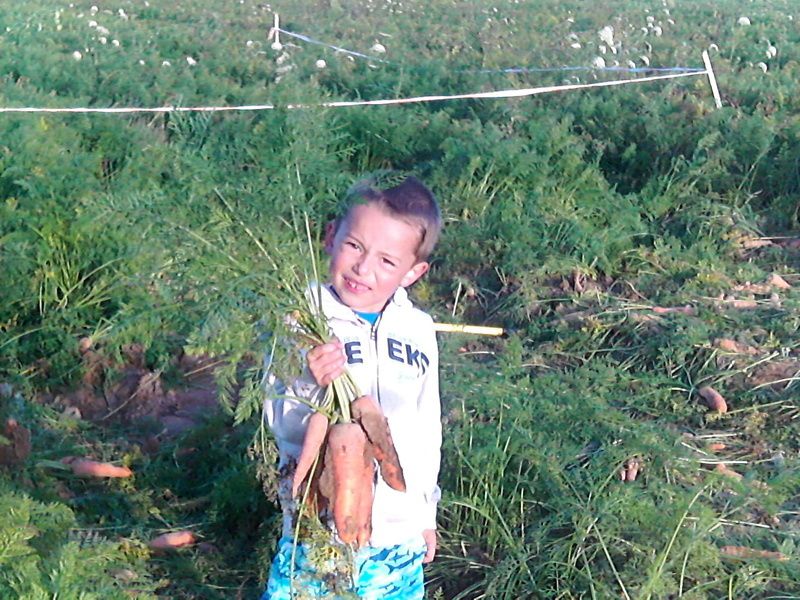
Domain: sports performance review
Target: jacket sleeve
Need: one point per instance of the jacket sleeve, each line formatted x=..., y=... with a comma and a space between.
x=429, y=408
x=286, y=408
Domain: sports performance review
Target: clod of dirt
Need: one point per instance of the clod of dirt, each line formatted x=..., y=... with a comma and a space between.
x=779, y=282
x=776, y=375
x=734, y=347
x=85, y=344
x=19, y=448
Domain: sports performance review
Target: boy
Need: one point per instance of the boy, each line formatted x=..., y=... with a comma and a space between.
x=378, y=248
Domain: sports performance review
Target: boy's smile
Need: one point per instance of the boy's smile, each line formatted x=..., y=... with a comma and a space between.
x=372, y=254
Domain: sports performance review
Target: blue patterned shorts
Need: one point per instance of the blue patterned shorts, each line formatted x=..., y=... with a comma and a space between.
x=389, y=573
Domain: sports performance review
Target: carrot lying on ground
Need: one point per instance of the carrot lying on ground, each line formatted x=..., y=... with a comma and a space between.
x=368, y=414
x=344, y=460
x=312, y=443
x=175, y=539
x=714, y=399
x=83, y=467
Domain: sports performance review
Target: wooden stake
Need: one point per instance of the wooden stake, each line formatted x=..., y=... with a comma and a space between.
x=276, y=29
x=474, y=329
x=712, y=80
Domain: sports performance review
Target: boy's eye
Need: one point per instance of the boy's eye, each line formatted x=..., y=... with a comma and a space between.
x=388, y=262
x=353, y=245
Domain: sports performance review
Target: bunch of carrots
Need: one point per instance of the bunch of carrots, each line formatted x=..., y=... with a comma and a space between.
x=346, y=435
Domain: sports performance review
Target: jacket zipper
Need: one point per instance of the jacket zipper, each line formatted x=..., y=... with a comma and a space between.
x=373, y=336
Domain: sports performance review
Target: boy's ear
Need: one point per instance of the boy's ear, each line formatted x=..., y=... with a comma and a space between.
x=414, y=273
x=330, y=234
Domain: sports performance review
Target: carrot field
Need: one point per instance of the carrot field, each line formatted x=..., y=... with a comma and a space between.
x=635, y=431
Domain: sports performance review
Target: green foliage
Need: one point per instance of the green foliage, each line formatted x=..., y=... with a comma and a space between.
x=43, y=555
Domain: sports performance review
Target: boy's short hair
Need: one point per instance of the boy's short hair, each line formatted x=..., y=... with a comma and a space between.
x=410, y=201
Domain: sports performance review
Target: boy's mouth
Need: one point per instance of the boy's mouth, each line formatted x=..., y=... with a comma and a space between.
x=354, y=286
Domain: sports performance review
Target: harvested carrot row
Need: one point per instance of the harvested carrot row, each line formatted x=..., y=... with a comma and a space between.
x=367, y=412
x=312, y=443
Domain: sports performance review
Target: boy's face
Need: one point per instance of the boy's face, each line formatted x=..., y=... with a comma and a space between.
x=372, y=254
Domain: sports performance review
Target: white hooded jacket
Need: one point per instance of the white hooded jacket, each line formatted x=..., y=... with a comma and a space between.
x=397, y=362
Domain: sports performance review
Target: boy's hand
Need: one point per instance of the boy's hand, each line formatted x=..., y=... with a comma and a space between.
x=326, y=362
x=429, y=535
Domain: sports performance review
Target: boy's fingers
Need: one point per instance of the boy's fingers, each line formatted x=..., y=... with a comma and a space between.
x=429, y=535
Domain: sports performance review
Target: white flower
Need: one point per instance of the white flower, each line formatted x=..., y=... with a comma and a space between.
x=92, y=23
x=282, y=59
x=102, y=39
x=102, y=30
x=598, y=62
x=321, y=64
x=575, y=45
x=77, y=55
x=631, y=64
x=378, y=48
x=166, y=63
x=249, y=43
x=141, y=62
x=191, y=61
x=762, y=66
x=645, y=60
x=650, y=19
x=743, y=21
x=122, y=14
x=772, y=51
x=713, y=47
x=93, y=10
x=277, y=46
x=59, y=27
x=657, y=30
x=602, y=48
x=115, y=43
x=607, y=35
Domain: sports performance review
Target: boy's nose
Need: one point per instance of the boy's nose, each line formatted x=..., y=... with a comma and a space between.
x=362, y=265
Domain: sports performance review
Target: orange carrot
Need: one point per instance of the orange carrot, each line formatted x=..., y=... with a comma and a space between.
x=315, y=436
x=365, y=498
x=83, y=467
x=714, y=399
x=745, y=552
x=367, y=412
x=176, y=539
x=728, y=472
x=345, y=457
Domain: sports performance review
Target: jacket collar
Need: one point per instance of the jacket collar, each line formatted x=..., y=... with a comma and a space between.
x=335, y=308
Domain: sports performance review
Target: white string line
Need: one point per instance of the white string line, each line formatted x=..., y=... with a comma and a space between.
x=508, y=93
x=311, y=40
